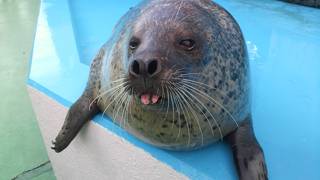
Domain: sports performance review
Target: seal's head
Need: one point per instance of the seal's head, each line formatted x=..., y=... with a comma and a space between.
x=170, y=42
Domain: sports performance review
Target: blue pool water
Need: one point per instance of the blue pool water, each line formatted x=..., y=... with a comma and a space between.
x=284, y=47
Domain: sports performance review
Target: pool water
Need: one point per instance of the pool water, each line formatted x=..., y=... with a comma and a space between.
x=283, y=42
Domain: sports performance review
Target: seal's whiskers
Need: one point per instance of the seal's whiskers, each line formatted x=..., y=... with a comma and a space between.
x=120, y=105
x=172, y=103
x=168, y=103
x=162, y=94
x=117, y=80
x=125, y=112
x=115, y=88
x=122, y=90
x=205, y=95
x=123, y=106
x=193, y=97
x=184, y=108
x=183, y=96
x=178, y=110
x=179, y=8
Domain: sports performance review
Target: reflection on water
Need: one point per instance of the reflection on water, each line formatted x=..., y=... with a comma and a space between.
x=252, y=50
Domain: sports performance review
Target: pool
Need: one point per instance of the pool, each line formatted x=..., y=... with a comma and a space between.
x=283, y=41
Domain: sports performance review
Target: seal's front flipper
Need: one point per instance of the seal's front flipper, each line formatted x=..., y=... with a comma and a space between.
x=78, y=114
x=247, y=153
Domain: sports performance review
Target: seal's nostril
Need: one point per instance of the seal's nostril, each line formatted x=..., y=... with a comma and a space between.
x=140, y=68
x=135, y=68
x=153, y=67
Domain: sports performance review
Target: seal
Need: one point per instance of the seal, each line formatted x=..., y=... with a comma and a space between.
x=175, y=74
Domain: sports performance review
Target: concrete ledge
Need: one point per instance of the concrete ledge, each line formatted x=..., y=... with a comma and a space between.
x=96, y=153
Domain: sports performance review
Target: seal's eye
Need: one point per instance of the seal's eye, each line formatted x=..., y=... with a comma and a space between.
x=187, y=44
x=134, y=43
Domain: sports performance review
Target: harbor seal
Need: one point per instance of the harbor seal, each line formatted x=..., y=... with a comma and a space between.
x=175, y=74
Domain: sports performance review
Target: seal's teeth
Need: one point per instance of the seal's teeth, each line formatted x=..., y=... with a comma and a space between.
x=145, y=99
x=154, y=99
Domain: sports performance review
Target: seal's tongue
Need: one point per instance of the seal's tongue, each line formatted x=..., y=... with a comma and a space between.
x=145, y=99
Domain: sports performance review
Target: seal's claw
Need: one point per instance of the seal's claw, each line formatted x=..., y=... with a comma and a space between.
x=54, y=147
x=53, y=143
x=57, y=147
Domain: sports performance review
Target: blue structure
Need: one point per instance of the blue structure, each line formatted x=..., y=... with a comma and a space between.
x=283, y=41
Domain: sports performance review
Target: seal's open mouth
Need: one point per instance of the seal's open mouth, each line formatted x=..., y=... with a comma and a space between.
x=148, y=98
